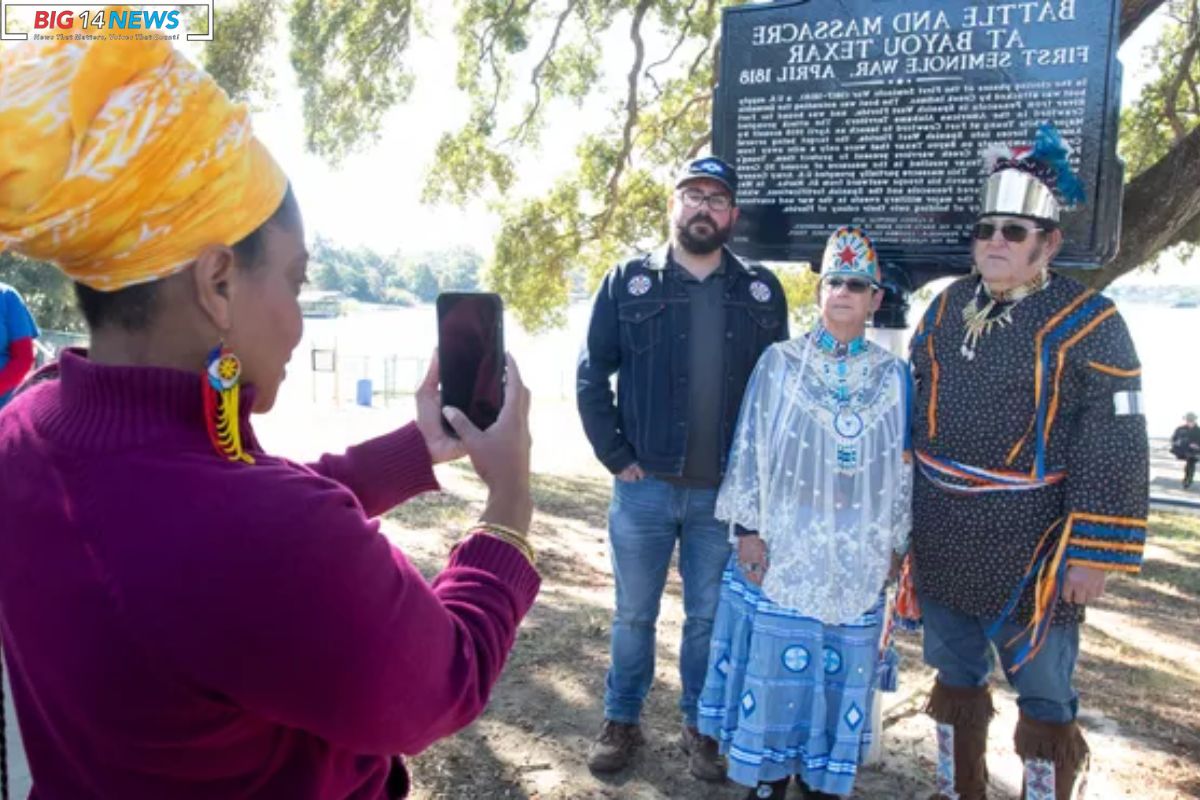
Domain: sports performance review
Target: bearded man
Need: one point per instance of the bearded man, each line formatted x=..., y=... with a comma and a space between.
x=683, y=328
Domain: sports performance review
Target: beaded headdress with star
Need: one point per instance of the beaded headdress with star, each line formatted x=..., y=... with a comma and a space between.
x=850, y=253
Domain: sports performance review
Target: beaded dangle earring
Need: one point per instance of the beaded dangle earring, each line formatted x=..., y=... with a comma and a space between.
x=220, y=388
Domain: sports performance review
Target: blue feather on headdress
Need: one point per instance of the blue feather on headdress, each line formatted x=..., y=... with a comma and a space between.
x=1050, y=149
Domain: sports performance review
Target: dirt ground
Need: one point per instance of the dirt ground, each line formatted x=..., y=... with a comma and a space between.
x=1139, y=674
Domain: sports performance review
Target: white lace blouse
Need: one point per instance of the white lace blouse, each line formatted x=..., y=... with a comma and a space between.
x=818, y=470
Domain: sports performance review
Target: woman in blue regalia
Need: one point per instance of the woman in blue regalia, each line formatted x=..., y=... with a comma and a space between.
x=817, y=498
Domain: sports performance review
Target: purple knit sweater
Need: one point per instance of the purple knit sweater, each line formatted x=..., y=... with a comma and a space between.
x=177, y=626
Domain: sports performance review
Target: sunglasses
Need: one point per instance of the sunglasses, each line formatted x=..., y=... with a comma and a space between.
x=1012, y=231
x=853, y=285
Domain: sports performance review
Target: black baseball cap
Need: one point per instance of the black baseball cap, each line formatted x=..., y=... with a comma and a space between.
x=712, y=168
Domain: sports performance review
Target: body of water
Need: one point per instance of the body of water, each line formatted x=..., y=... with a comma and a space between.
x=1166, y=340
x=1168, y=344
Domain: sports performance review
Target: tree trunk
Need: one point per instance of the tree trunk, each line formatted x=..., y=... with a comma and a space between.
x=1134, y=13
x=1161, y=208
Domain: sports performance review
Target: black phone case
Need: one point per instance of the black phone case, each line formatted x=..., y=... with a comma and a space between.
x=479, y=416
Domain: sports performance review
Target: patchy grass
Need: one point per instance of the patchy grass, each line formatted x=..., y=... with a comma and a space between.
x=1175, y=527
x=1138, y=675
x=434, y=510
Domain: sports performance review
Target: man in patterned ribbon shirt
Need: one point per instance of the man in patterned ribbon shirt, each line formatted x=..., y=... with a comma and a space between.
x=1033, y=473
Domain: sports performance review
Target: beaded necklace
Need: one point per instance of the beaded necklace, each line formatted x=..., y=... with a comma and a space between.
x=844, y=403
x=829, y=343
x=980, y=314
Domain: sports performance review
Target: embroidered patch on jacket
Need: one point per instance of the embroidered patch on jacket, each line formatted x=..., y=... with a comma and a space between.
x=638, y=285
x=760, y=292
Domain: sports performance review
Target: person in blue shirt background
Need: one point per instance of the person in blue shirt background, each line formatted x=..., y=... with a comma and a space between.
x=17, y=332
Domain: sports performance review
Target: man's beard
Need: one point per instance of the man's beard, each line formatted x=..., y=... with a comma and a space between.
x=697, y=244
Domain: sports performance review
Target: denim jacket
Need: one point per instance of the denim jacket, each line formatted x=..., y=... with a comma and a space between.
x=639, y=330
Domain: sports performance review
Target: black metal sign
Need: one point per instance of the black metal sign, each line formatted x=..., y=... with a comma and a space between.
x=877, y=113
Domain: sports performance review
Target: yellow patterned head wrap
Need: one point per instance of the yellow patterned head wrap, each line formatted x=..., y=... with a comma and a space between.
x=121, y=160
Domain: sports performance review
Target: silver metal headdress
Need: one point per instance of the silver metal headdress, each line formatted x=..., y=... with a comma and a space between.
x=1020, y=194
x=1032, y=180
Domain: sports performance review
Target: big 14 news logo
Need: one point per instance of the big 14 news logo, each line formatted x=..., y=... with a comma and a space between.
x=59, y=20
x=136, y=20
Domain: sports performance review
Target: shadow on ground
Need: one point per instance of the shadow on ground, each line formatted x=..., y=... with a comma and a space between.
x=532, y=742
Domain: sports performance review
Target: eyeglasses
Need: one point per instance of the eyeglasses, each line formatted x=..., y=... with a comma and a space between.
x=1012, y=231
x=853, y=285
x=694, y=198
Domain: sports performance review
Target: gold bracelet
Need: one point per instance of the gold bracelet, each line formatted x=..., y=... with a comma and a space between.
x=521, y=545
x=492, y=526
x=515, y=538
x=509, y=536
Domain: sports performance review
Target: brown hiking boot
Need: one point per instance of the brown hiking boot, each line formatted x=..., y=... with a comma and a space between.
x=614, y=748
x=704, y=757
x=962, y=715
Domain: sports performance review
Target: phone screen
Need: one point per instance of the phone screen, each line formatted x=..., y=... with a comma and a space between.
x=471, y=355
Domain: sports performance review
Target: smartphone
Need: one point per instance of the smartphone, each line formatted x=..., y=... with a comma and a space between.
x=471, y=355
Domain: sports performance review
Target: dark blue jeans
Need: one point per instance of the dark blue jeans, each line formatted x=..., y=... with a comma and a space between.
x=957, y=646
x=645, y=520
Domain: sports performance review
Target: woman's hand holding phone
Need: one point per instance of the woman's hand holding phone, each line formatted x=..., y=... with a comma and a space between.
x=500, y=454
x=442, y=446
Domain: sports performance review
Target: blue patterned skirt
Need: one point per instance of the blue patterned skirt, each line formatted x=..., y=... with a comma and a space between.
x=786, y=694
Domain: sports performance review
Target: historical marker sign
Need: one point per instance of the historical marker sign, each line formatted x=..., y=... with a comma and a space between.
x=877, y=112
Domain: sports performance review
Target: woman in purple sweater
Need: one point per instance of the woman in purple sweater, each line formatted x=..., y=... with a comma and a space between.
x=184, y=615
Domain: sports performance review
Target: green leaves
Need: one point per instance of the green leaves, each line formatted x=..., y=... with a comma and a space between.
x=614, y=199
x=348, y=60
x=465, y=166
x=236, y=57
x=539, y=242
x=1169, y=107
x=526, y=67
x=48, y=293
x=800, y=286
x=402, y=279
